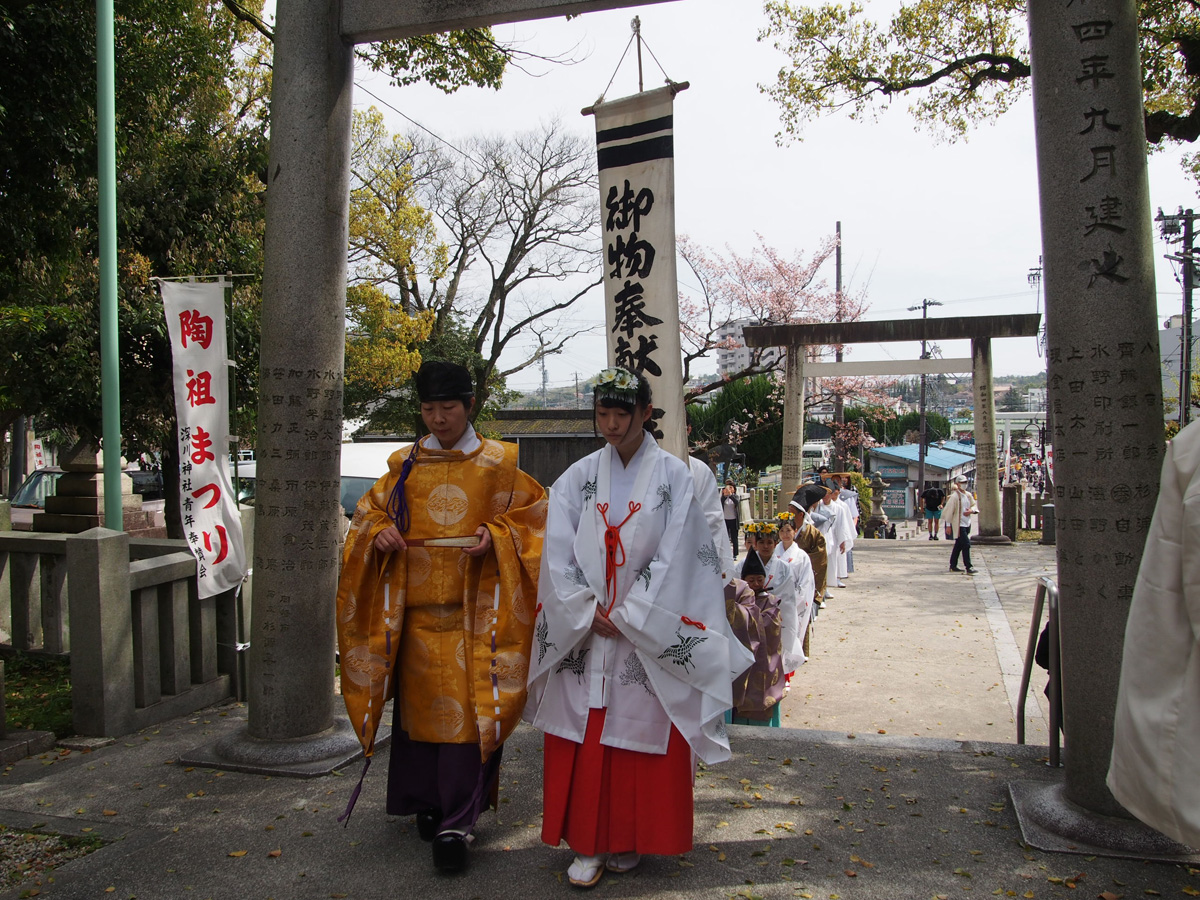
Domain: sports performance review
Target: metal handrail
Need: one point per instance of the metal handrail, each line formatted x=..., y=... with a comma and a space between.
x=1046, y=588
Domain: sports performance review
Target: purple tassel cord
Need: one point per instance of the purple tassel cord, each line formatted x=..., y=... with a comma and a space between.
x=344, y=818
x=397, y=507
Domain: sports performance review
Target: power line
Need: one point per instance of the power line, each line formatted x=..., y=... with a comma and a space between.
x=434, y=134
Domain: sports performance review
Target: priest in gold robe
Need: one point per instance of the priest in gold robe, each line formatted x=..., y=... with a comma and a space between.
x=809, y=537
x=435, y=609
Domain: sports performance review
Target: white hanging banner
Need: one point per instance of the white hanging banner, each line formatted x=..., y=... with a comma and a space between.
x=208, y=508
x=636, y=153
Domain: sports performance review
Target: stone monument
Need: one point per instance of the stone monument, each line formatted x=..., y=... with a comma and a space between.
x=1104, y=388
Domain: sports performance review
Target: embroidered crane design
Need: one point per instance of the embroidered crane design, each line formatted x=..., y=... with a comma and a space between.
x=635, y=673
x=575, y=574
x=574, y=664
x=664, y=496
x=589, y=491
x=680, y=652
x=708, y=556
x=645, y=576
x=542, y=632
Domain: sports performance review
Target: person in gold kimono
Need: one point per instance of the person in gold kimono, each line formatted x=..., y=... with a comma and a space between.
x=435, y=609
x=809, y=538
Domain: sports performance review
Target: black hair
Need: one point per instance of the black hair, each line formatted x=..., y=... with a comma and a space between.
x=643, y=397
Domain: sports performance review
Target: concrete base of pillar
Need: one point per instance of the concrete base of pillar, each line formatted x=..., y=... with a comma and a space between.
x=1049, y=821
x=304, y=757
x=990, y=539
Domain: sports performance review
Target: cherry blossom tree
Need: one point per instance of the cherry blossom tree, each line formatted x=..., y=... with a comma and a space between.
x=767, y=287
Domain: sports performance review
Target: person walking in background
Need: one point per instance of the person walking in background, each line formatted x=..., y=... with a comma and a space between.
x=729, y=509
x=959, y=508
x=932, y=501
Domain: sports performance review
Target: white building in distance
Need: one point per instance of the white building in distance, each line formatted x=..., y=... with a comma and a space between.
x=735, y=360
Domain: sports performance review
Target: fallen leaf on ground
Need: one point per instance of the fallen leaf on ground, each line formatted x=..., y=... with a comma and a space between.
x=275, y=853
x=238, y=853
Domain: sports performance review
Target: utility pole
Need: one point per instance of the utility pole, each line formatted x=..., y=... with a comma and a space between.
x=1171, y=225
x=839, y=408
x=1035, y=281
x=924, y=308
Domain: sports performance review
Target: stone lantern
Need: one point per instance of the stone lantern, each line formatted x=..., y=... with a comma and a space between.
x=878, y=520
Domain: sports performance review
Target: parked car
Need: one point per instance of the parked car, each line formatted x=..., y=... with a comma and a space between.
x=41, y=483
x=362, y=465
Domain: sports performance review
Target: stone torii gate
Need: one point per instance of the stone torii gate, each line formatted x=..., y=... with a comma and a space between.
x=980, y=330
x=1102, y=354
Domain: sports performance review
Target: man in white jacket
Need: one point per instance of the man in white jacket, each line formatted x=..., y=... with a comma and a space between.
x=1155, y=769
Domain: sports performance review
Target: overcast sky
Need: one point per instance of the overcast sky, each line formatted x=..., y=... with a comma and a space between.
x=953, y=222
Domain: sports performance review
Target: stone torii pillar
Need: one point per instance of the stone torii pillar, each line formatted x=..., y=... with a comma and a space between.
x=1104, y=388
x=987, y=486
x=793, y=427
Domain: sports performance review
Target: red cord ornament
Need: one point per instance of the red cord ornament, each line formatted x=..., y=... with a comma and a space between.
x=613, y=546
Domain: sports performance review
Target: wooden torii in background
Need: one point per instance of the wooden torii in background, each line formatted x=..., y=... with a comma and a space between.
x=980, y=330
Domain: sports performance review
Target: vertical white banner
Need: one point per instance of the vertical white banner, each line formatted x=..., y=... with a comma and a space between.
x=636, y=153
x=208, y=508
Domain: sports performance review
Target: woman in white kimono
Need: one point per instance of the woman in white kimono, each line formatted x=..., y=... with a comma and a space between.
x=781, y=582
x=847, y=534
x=802, y=576
x=828, y=516
x=633, y=657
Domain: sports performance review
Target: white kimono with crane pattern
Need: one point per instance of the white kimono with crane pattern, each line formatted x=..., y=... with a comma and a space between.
x=675, y=658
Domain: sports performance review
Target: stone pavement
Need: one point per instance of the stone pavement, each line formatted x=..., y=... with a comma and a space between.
x=829, y=808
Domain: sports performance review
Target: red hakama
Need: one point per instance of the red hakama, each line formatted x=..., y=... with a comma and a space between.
x=608, y=800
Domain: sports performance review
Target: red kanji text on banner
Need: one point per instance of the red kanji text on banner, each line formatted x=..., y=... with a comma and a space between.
x=208, y=508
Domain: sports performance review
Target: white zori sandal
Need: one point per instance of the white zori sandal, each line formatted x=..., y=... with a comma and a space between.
x=623, y=862
x=585, y=871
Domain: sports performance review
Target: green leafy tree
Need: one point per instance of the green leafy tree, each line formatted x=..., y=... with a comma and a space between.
x=191, y=120
x=889, y=429
x=746, y=416
x=193, y=81
x=1013, y=400
x=959, y=62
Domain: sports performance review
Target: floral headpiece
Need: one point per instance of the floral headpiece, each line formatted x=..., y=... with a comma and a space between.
x=767, y=528
x=785, y=517
x=617, y=384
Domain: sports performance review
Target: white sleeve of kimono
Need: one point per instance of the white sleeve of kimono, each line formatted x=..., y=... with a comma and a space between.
x=709, y=499
x=566, y=602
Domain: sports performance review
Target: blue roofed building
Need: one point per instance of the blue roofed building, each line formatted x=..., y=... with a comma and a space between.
x=899, y=466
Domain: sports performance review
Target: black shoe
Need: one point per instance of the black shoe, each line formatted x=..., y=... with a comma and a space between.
x=429, y=823
x=450, y=851
x=971, y=571
x=955, y=569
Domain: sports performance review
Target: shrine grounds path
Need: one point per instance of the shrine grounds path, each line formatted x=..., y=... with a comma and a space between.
x=890, y=781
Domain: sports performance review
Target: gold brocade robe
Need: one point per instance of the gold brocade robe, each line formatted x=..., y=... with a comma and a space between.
x=812, y=542
x=456, y=629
